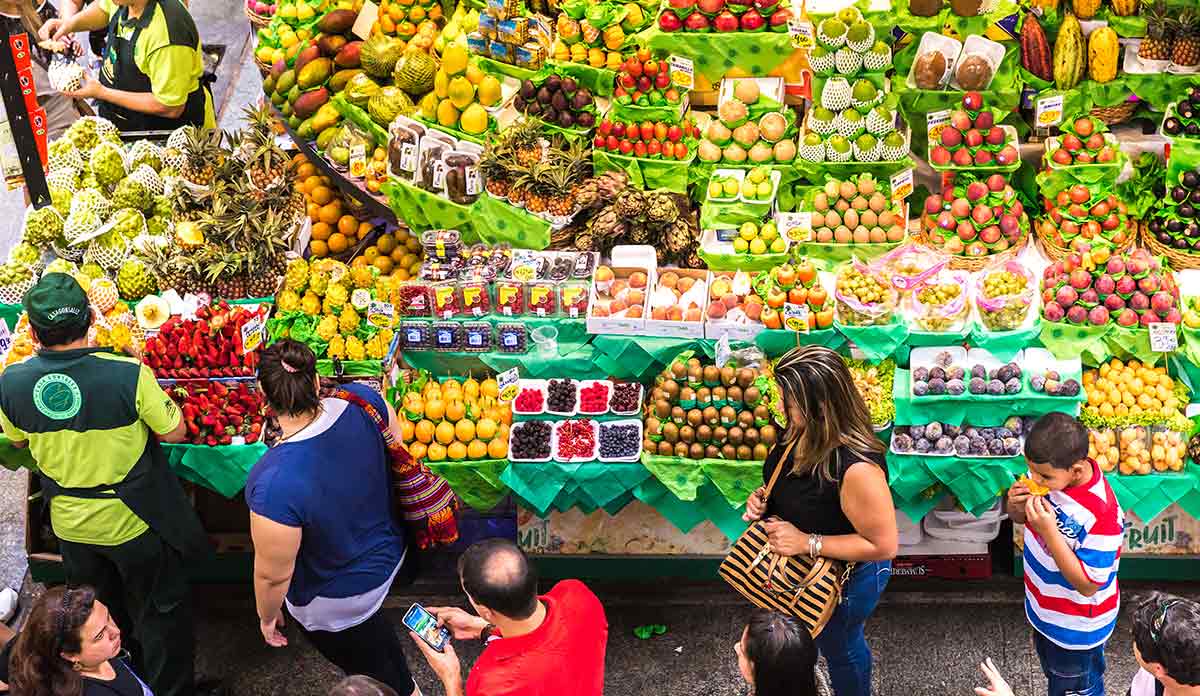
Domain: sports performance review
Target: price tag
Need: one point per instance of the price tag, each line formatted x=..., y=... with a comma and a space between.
x=682, y=71
x=795, y=227
x=935, y=122
x=509, y=380
x=253, y=334
x=358, y=161
x=444, y=337
x=439, y=175
x=474, y=182
x=408, y=157
x=795, y=317
x=801, y=31
x=5, y=338
x=412, y=336
x=902, y=184
x=723, y=352
x=1048, y=111
x=365, y=20
x=381, y=314
x=1163, y=337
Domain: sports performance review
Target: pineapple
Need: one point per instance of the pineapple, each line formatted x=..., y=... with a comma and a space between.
x=1159, y=41
x=1186, y=52
x=202, y=154
x=526, y=141
x=268, y=164
x=532, y=180
x=495, y=166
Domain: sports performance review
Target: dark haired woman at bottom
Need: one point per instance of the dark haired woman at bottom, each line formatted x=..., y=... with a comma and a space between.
x=71, y=647
x=777, y=656
x=324, y=539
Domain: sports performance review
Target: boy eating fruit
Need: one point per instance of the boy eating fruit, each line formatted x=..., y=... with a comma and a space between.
x=1073, y=533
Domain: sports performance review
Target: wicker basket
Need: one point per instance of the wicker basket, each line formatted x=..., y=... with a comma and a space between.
x=973, y=264
x=264, y=68
x=1112, y=115
x=1058, y=253
x=256, y=20
x=1179, y=260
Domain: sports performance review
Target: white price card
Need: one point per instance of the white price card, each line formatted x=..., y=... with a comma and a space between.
x=795, y=227
x=253, y=334
x=358, y=161
x=801, y=31
x=935, y=121
x=508, y=381
x=682, y=71
x=5, y=338
x=381, y=314
x=365, y=20
x=1048, y=111
x=795, y=317
x=1163, y=337
x=902, y=184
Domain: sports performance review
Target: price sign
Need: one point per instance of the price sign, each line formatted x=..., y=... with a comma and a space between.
x=381, y=314
x=365, y=20
x=253, y=334
x=795, y=227
x=408, y=157
x=1048, y=111
x=935, y=122
x=682, y=71
x=795, y=317
x=5, y=338
x=723, y=352
x=902, y=184
x=358, y=161
x=801, y=31
x=1163, y=337
x=508, y=380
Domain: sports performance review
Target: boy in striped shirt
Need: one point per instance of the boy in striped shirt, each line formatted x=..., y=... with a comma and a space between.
x=1073, y=533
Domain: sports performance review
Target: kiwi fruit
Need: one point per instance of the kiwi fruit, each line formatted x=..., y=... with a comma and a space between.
x=657, y=394
x=695, y=376
x=662, y=408
x=670, y=432
x=695, y=417
x=768, y=434
x=650, y=446
x=735, y=435
x=671, y=388
x=712, y=376
x=687, y=395
x=729, y=452
x=678, y=370
x=653, y=426
x=693, y=362
x=762, y=414
x=681, y=449
x=665, y=449
x=711, y=415
x=687, y=434
x=745, y=377
x=696, y=450
x=720, y=434
x=728, y=415
x=678, y=416
x=712, y=452
x=744, y=453
x=751, y=436
x=734, y=396
x=703, y=433
x=760, y=452
x=751, y=396
x=704, y=396
x=719, y=395
x=728, y=375
x=745, y=419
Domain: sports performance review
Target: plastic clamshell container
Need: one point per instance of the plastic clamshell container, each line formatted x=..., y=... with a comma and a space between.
x=447, y=300
x=432, y=151
x=540, y=460
x=461, y=181
x=477, y=337
x=538, y=385
x=416, y=299
x=636, y=456
x=989, y=50
x=416, y=335
x=574, y=406
x=447, y=336
x=637, y=409
x=476, y=297
x=739, y=174
x=403, y=149
x=541, y=298
x=558, y=426
x=512, y=337
x=510, y=298
x=573, y=298
x=950, y=48
x=591, y=383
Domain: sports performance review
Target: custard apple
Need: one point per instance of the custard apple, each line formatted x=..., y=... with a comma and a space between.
x=132, y=194
x=42, y=226
x=107, y=164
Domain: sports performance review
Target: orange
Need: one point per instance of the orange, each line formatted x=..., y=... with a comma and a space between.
x=311, y=184
x=444, y=433
x=387, y=25
x=456, y=451
x=305, y=170
x=417, y=450
x=424, y=430
x=359, y=261
x=331, y=212
x=486, y=429
x=435, y=409
x=369, y=254
x=321, y=231
x=384, y=264
x=313, y=210
x=413, y=244
x=498, y=449
x=395, y=13
x=386, y=243
x=401, y=274
x=477, y=449
x=398, y=255
x=338, y=243
x=464, y=430
x=435, y=453
x=364, y=228
x=407, y=430
x=318, y=248
x=347, y=225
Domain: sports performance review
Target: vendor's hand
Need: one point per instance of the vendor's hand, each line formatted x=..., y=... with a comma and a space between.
x=756, y=505
x=784, y=538
x=89, y=88
x=463, y=626
x=53, y=29
x=270, y=631
x=997, y=686
x=1040, y=517
x=444, y=664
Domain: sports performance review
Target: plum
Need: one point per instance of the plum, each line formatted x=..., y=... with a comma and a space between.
x=944, y=445
x=962, y=445
x=955, y=387
x=1013, y=386
x=977, y=385
x=902, y=443
x=995, y=388
x=937, y=385
x=933, y=431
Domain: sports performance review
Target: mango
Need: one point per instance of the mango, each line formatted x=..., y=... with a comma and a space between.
x=338, y=82
x=454, y=59
x=337, y=22
x=292, y=52
x=474, y=120
x=305, y=129
x=285, y=109
x=461, y=92
x=315, y=73
x=279, y=99
x=308, y=103
x=347, y=56
x=488, y=91
x=330, y=45
x=447, y=114
x=269, y=84
x=306, y=56
x=278, y=68
x=285, y=82
x=326, y=117
x=326, y=133
x=294, y=94
x=294, y=121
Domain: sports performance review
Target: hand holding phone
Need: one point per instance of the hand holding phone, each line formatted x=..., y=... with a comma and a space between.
x=425, y=625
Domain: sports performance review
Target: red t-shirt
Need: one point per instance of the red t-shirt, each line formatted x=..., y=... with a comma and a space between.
x=565, y=655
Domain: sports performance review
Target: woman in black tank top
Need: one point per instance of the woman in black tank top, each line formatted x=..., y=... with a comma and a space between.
x=831, y=500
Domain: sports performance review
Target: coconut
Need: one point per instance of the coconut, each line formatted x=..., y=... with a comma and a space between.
x=745, y=134
x=771, y=126
x=717, y=133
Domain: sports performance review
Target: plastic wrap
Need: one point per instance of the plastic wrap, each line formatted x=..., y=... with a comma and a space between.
x=999, y=308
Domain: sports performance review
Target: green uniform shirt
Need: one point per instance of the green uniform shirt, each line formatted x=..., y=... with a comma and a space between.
x=174, y=71
x=87, y=416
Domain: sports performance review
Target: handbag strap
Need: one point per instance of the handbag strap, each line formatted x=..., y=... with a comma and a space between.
x=787, y=453
x=401, y=459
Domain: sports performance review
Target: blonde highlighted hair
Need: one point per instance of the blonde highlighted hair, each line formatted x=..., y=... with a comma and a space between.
x=817, y=381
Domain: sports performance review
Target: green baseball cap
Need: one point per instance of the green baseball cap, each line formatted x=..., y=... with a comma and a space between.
x=57, y=301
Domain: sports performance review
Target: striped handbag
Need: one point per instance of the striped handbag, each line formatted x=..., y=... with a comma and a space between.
x=808, y=589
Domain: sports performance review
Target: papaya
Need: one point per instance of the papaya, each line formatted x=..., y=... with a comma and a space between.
x=338, y=82
x=308, y=103
x=326, y=116
x=330, y=45
x=1125, y=8
x=1069, y=53
x=1103, y=53
x=285, y=82
x=306, y=56
x=315, y=73
x=337, y=22
x=1085, y=9
x=347, y=56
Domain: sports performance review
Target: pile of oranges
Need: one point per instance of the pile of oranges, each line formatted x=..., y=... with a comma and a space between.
x=455, y=420
x=397, y=254
x=335, y=230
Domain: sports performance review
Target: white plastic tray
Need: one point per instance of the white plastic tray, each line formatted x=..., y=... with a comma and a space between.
x=991, y=51
x=637, y=409
x=950, y=48
x=739, y=174
x=595, y=441
x=524, y=384
x=574, y=408
x=553, y=444
x=579, y=398
x=636, y=456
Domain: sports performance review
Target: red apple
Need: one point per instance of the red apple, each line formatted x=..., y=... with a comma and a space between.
x=752, y=20
x=726, y=22
x=972, y=101
x=779, y=20
x=696, y=22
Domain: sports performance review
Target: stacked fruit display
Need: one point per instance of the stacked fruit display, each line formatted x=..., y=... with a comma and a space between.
x=797, y=285
x=302, y=82
x=943, y=377
x=454, y=420
x=700, y=411
x=599, y=36
x=405, y=20
x=853, y=122
x=1079, y=216
x=736, y=138
x=1176, y=222
x=644, y=81
x=647, y=140
x=1098, y=287
x=724, y=16
x=847, y=44
x=960, y=440
x=973, y=139
x=461, y=94
x=1084, y=140
x=856, y=211
x=1122, y=390
x=975, y=219
x=211, y=345
x=217, y=413
x=558, y=101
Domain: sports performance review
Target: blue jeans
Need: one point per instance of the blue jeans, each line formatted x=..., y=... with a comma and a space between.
x=1071, y=672
x=843, y=642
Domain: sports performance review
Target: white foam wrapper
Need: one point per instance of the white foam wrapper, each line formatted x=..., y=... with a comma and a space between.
x=637, y=409
x=739, y=174
x=1134, y=65
x=591, y=383
x=524, y=384
x=574, y=407
x=1036, y=361
x=624, y=326
x=636, y=456
x=950, y=48
x=991, y=51
x=767, y=86
x=595, y=441
x=553, y=445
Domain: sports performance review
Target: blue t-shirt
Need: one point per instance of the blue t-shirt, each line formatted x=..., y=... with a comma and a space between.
x=331, y=479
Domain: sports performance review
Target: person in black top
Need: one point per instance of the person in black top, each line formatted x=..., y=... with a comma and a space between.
x=833, y=502
x=71, y=647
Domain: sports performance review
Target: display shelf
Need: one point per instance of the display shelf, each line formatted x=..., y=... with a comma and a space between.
x=376, y=206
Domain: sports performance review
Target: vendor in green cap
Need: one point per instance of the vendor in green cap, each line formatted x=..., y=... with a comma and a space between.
x=93, y=420
x=152, y=64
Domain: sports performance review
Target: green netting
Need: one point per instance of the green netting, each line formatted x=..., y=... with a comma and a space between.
x=477, y=483
x=979, y=410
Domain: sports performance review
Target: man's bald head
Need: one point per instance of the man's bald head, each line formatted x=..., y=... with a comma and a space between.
x=497, y=575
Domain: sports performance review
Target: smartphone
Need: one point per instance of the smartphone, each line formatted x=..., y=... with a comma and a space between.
x=425, y=625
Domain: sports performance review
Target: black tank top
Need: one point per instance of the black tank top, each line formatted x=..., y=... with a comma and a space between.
x=811, y=503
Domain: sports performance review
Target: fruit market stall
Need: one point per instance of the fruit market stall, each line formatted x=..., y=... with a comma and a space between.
x=567, y=242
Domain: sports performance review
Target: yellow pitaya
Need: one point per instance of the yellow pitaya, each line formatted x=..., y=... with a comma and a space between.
x=363, y=276
x=327, y=327
x=318, y=282
x=310, y=304
x=336, y=296
x=355, y=349
x=296, y=276
x=336, y=349
x=349, y=321
x=288, y=301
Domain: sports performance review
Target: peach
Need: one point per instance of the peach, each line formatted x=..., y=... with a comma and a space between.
x=603, y=274
x=668, y=279
x=685, y=283
x=635, y=312
x=675, y=314
x=637, y=280
x=692, y=314
x=659, y=313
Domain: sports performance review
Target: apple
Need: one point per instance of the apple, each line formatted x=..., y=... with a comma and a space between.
x=683, y=6
x=662, y=80
x=940, y=156
x=983, y=157
x=696, y=22
x=726, y=21
x=985, y=120
x=965, y=231
x=995, y=136
x=973, y=138
x=972, y=101
x=752, y=20
x=674, y=133
x=626, y=147
x=1061, y=156
x=1007, y=156
x=779, y=20
x=951, y=137
x=611, y=143
x=1071, y=143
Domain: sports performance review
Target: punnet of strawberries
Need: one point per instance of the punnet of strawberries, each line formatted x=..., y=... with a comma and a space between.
x=208, y=346
x=217, y=412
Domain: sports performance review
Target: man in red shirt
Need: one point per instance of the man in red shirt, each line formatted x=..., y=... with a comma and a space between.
x=530, y=639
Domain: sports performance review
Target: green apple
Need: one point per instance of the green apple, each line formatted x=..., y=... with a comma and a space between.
x=778, y=246
x=768, y=232
x=758, y=246
x=740, y=245
x=748, y=231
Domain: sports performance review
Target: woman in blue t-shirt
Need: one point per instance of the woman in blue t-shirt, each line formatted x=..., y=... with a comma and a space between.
x=325, y=542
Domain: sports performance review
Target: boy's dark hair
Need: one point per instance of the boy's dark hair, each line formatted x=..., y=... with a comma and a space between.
x=1166, y=630
x=51, y=337
x=1057, y=439
x=496, y=573
x=359, y=685
x=783, y=653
